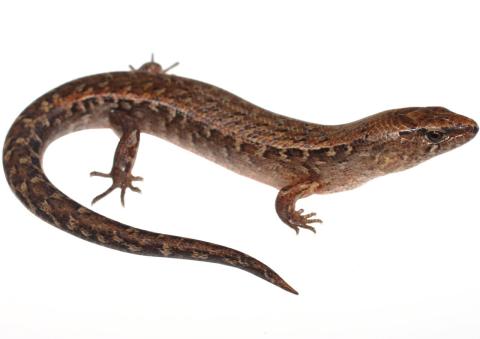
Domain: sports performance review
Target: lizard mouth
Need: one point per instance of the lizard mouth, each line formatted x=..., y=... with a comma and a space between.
x=472, y=127
x=475, y=129
x=465, y=128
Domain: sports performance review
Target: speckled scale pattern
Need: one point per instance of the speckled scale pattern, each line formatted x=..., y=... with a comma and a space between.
x=297, y=157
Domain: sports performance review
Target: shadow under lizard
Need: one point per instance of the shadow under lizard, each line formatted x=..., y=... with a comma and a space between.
x=297, y=157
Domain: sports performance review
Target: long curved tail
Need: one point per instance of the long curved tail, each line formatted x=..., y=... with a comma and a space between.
x=22, y=154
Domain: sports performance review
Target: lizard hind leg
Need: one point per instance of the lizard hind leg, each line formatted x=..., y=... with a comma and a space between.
x=124, y=159
x=285, y=206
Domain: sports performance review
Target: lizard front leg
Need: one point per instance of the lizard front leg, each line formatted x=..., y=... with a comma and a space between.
x=125, y=155
x=285, y=205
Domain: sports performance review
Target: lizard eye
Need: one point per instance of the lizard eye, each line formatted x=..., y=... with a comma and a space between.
x=435, y=136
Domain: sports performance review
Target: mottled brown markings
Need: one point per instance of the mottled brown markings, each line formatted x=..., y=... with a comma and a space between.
x=108, y=99
x=159, y=92
x=86, y=232
x=80, y=87
x=147, y=86
x=349, y=150
x=293, y=153
x=249, y=148
x=320, y=154
x=200, y=256
x=272, y=153
x=179, y=119
x=35, y=145
x=91, y=103
x=103, y=84
x=101, y=239
x=341, y=152
x=72, y=224
x=126, y=105
x=45, y=106
x=78, y=108
x=134, y=249
x=127, y=88
x=331, y=152
x=277, y=150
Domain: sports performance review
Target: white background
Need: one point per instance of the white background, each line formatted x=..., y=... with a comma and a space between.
x=398, y=257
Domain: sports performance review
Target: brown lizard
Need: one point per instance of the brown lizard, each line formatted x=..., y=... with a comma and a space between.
x=297, y=157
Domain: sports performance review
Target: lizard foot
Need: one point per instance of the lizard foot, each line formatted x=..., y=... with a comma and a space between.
x=297, y=220
x=121, y=179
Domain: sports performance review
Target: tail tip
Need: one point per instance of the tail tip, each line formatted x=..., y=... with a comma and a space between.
x=288, y=288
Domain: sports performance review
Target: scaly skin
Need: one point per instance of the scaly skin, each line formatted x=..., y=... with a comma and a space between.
x=297, y=157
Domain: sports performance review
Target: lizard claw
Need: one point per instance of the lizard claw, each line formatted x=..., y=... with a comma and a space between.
x=299, y=220
x=285, y=205
x=121, y=180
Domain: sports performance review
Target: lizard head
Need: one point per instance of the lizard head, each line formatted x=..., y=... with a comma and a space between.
x=418, y=133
